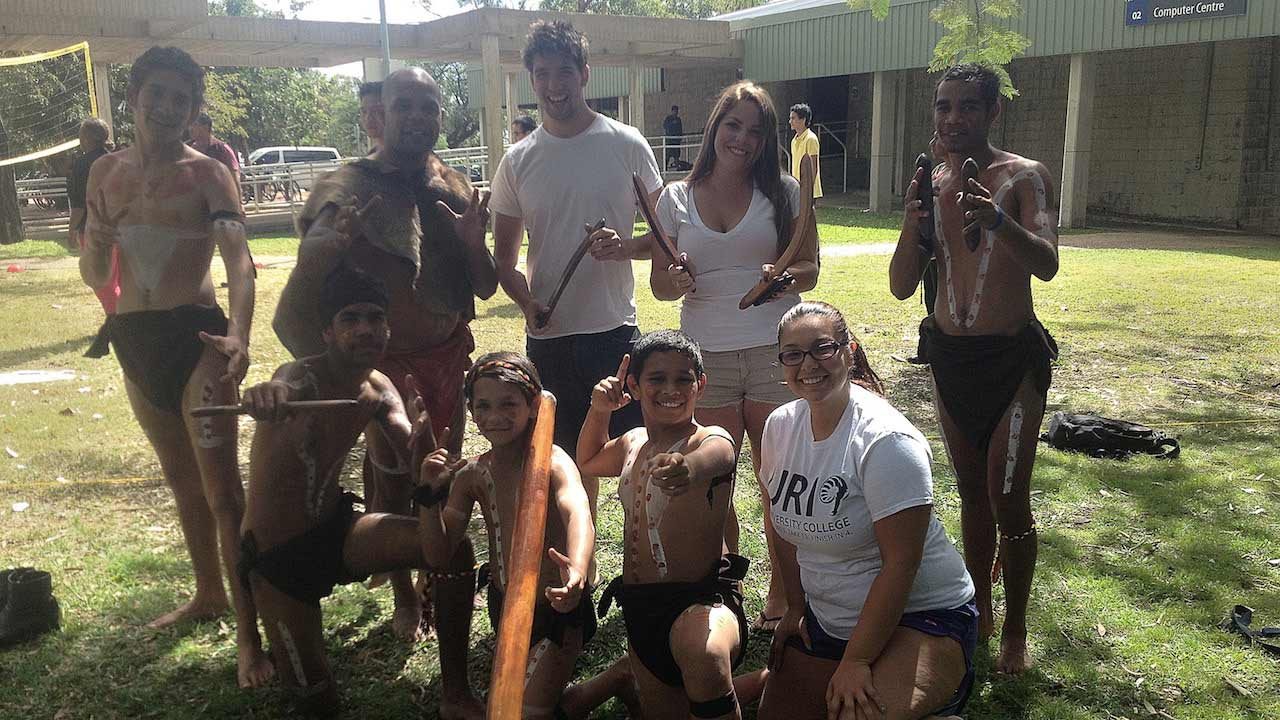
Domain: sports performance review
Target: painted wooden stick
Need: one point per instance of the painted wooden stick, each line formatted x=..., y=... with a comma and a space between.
x=212, y=410
x=969, y=171
x=506, y=685
x=650, y=216
x=799, y=234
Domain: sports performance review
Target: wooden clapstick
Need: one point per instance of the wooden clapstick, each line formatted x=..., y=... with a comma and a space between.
x=925, y=192
x=651, y=219
x=213, y=410
x=969, y=171
x=766, y=288
x=506, y=684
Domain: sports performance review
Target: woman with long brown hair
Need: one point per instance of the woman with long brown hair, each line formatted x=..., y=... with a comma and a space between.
x=731, y=219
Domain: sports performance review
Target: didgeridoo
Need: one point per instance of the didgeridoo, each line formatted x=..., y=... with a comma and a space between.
x=799, y=233
x=213, y=410
x=969, y=171
x=506, y=684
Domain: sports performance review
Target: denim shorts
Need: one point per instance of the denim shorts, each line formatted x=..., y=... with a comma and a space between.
x=750, y=374
x=958, y=623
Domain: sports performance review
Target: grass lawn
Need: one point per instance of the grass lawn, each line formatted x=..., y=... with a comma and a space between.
x=1139, y=561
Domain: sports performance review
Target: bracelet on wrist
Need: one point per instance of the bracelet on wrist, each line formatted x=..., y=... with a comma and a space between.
x=426, y=497
x=999, y=219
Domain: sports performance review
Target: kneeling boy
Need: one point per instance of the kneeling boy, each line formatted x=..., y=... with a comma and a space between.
x=680, y=593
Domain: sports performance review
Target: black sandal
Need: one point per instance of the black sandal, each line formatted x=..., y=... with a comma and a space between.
x=1242, y=618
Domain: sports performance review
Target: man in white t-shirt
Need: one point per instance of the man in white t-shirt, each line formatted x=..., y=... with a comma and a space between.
x=574, y=170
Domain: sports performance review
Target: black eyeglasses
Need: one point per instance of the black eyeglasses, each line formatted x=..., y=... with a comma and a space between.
x=821, y=351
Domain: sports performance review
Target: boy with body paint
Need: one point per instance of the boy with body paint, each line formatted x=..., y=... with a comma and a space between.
x=164, y=207
x=501, y=390
x=301, y=534
x=680, y=591
x=988, y=353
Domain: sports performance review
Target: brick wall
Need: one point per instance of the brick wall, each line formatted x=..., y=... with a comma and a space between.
x=693, y=91
x=1159, y=150
x=1260, y=156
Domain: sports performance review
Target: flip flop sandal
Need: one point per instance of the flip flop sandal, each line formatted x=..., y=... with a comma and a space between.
x=1242, y=618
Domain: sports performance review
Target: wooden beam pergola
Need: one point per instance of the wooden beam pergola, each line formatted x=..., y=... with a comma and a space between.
x=120, y=30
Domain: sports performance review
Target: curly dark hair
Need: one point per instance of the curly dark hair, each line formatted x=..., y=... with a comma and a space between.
x=986, y=79
x=168, y=58
x=555, y=37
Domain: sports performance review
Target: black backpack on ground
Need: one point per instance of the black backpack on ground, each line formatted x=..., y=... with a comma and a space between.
x=1102, y=437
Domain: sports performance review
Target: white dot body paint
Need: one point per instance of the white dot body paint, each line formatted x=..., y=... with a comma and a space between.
x=228, y=225
x=295, y=659
x=535, y=657
x=207, y=437
x=307, y=455
x=1015, y=436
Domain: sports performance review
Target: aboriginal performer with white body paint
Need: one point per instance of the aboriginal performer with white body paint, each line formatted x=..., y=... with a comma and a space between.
x=989, y=354
x=165, y=206
x=302, y=535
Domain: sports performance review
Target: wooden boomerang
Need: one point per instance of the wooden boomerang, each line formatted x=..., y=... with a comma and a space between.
x=569, y=269
x=214, y=410
x=506, y=694
x=924, y=192
x=651, y=219
x=766, y=288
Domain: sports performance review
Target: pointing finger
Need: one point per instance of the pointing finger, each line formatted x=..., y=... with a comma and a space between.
x=622, y=366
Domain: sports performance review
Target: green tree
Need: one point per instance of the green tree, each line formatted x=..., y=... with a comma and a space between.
x=972, y=33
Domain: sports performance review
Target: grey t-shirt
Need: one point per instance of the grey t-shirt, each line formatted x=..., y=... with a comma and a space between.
x=825, y=495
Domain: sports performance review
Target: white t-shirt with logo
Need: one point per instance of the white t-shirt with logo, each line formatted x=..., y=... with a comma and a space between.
x=556, y=185
x=727, y=266
x=825, y=495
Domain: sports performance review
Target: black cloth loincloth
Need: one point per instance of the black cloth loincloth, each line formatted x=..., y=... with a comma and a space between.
x=650, y=609
x=308, y=566
x=548, y=622
x=978, y=375
x=159, y=349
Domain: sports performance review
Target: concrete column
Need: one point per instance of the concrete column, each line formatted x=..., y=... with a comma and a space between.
x=624, y=110
x=513, y=107
x=883, y=102
x=492, y=119
x=102, y=95
x=1076, y=148
x=636, y=99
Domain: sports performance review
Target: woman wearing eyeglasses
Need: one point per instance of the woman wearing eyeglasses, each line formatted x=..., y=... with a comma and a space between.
x=731, y=219
x=880, y=619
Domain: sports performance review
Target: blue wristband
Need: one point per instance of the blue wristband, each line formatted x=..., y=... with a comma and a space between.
x=999, y=219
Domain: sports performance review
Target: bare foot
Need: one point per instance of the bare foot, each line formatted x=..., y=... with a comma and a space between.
x=406, y=622
x=193, y=609
x=1014, y=657
x=253, y=667
x=468, y=709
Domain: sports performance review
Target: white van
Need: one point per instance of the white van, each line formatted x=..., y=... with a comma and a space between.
x=266, y=176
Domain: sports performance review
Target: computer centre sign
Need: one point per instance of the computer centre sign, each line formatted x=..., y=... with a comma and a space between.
x=1150, y=12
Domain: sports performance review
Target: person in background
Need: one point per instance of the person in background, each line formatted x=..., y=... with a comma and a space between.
x=94, y=134
x=202, y=139
x=805, y=142
x=521, y=127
